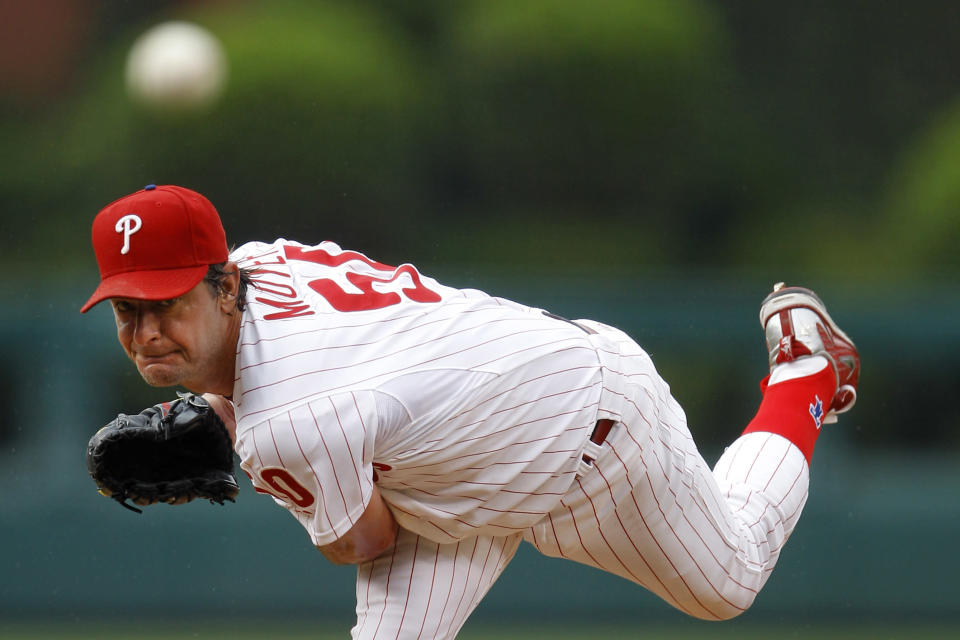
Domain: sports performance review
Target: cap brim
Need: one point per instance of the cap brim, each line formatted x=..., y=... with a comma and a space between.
x=159, y=284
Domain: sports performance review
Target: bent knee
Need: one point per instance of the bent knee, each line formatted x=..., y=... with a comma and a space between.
x=718, y=602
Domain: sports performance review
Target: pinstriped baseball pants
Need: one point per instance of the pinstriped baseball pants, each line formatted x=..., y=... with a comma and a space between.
x=706, y=548
x=423, y=589
x=648, y=508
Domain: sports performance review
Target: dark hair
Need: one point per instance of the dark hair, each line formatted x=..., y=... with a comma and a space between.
x=217, y=273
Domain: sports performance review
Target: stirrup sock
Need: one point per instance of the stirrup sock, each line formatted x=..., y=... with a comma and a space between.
x=796, y=398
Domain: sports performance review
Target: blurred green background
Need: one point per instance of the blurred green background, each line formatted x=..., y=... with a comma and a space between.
x=653, y=164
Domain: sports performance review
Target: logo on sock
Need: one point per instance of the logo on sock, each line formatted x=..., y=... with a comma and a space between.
x=816, y=410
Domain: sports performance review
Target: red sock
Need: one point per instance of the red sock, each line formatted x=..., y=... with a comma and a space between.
x=795, y=408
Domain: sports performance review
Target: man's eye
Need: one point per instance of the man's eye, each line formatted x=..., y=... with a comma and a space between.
x=167, y=303
x=121, y=307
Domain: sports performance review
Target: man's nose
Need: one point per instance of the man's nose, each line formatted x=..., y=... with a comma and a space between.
x=147, y=327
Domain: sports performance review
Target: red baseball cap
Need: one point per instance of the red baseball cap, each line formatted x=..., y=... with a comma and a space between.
x=155, y=244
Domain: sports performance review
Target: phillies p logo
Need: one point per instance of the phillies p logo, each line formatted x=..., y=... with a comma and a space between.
x=128, y=225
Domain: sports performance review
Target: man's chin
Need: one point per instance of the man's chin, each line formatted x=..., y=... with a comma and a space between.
x=158, y=376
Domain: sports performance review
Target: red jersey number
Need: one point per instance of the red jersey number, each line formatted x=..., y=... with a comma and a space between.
x=285, y=487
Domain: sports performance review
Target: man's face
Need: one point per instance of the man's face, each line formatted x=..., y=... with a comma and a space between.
x=184, y=341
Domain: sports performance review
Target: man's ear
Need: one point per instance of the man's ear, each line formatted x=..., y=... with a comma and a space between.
x=229, y=288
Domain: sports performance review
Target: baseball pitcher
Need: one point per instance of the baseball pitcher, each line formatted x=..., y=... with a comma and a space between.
x=422, y=432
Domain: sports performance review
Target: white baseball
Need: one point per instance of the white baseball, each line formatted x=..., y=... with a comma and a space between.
x=176, y=65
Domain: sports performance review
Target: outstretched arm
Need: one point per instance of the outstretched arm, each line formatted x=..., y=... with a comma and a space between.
x=374, y=533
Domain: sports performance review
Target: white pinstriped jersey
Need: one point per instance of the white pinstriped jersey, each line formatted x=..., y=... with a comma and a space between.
x=471, y=410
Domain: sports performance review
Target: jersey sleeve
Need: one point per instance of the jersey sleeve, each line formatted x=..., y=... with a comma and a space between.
x=315, y=460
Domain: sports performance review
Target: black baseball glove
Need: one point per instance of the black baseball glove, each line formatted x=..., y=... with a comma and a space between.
x=172, y=453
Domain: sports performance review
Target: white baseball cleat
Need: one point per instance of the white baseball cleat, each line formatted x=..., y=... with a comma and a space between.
x=796, y=324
